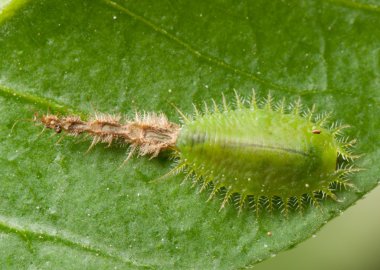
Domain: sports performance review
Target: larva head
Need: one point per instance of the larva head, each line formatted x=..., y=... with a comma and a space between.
x=261, y=152
x=53, y=122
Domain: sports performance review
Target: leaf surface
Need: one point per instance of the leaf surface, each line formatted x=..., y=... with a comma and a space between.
x=62, y=208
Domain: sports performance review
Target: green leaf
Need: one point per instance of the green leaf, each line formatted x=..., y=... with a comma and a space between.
x=62, y=208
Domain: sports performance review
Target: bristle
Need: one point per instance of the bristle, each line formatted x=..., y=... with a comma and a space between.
x=257, y=205
x=265, y=203
x=309, y=114
x=196, y=179
x=225, y=105
x=206, y=110
x=95, y=140
x=300, y=204
x=204, y=185
x=285, y=210
x=253, y=99
x=216, y=108
x=188, y=174
x=345, y=153
x=343, y=184
x=270, y=205
x=131, y=151
x=297, y=107
x=322, y=119
x=293, y=202
x=280, y=106
x=337, y=128
x=241, y=202
x=345, y=169
x=183, y=116
x=196, y=111
x=226, y=198
x=214, y=191
x=269, y=102
x=328, y=193
x=175, y=171
x=314, y=199
x=239, y=101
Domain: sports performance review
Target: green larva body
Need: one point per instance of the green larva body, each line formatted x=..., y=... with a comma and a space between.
x=261, y=152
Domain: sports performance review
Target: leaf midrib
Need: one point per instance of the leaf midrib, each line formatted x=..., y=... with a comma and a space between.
x=27, y=233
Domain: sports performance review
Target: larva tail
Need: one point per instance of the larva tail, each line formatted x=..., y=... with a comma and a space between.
x=147, y=133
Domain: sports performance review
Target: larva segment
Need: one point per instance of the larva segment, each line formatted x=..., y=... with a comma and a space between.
x=265, y=152
x=147, y=133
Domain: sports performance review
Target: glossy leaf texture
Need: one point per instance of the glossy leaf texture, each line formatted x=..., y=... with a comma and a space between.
x=62, y=208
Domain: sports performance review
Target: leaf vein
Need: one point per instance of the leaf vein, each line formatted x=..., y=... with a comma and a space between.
x=356, y=5
x=195, y=51
x=37, y=232
x=37, y=100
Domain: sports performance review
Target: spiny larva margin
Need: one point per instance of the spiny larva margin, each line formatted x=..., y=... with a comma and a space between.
x=260, y=154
